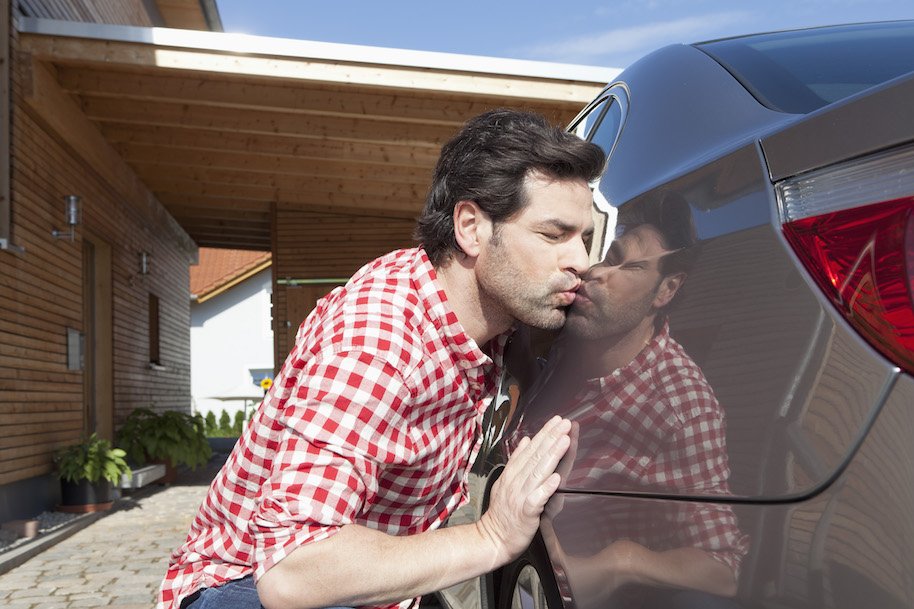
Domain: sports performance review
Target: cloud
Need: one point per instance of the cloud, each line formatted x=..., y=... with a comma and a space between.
x=638, y=39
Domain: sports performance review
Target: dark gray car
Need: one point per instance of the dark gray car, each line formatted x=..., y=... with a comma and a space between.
x=757, y=449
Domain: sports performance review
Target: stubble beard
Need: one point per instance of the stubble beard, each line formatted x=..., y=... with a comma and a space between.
x=607, y=323
x=501, y=288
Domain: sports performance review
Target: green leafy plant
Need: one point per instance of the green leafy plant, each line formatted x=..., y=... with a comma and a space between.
x=92, y=459
x=210, y=421
x=172, y=436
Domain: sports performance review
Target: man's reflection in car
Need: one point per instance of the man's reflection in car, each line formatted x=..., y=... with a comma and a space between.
x=646, y=421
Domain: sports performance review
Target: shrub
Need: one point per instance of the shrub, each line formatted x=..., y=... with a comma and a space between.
x=238, y=425
x=172, y=436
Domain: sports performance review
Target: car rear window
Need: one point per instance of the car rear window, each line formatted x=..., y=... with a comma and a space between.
x=801, y=71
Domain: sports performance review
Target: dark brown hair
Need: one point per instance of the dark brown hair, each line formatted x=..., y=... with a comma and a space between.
x=487, y=162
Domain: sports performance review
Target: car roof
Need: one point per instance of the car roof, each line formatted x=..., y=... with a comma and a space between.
x=799, y=71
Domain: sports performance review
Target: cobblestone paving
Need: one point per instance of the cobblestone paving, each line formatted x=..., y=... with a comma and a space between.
x=118, y=561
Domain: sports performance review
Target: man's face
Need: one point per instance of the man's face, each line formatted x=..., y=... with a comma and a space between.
x=622, y=290
x=532, y=263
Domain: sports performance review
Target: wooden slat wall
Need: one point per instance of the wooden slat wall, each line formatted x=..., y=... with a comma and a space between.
x=41, y=402
x=122, y=12
x=312, y=246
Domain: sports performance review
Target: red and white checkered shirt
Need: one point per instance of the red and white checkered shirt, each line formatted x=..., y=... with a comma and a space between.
x=653, y=426
x=373, y=419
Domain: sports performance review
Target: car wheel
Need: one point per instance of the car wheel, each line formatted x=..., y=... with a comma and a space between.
x=528, y=584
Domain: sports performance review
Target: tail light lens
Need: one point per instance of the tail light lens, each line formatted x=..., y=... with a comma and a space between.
x=852, y=226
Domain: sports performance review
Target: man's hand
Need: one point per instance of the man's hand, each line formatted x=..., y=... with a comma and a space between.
x=521, y=492
x=361, y=566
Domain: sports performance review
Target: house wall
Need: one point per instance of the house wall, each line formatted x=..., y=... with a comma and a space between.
x=122, y=12
x=42, y=402
x=230, y=334
x=308, y=246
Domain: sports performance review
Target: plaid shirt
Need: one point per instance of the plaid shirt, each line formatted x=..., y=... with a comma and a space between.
x=373, y=419
x=652, y=426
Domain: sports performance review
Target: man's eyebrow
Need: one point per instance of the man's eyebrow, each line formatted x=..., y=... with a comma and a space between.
x=616, y=248
x=558, y=224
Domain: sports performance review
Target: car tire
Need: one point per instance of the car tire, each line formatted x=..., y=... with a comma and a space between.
x=527, y=583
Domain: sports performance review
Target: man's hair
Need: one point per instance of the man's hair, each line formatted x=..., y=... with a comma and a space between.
x=671, y=216
x=488, y=161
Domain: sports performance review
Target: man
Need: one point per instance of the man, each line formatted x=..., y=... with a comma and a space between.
x=334, y=494
x=645, y=421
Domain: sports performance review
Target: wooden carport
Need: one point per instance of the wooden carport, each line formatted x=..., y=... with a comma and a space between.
x=320, y=153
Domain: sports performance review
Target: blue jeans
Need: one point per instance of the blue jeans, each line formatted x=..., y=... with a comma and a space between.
x=236, y=594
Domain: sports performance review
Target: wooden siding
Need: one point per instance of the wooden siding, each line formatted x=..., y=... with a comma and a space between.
x=41, y=401
x=312, y=246
x=121, y=12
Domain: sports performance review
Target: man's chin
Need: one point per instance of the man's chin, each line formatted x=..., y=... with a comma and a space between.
x=577, y=324
x=554, y=319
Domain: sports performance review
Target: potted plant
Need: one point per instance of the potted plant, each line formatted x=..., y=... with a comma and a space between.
x=87, y=470
x=168, y=437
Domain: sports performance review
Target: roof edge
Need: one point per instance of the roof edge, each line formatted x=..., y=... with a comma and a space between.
x=309, y=49
x=200, y=298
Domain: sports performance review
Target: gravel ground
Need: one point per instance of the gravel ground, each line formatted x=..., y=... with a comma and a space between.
x=47, y=522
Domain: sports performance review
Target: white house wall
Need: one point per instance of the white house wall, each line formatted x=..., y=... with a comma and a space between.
x=230, y=335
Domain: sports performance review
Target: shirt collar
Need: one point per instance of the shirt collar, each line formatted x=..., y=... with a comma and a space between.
x=442, y=316
x=646, y=359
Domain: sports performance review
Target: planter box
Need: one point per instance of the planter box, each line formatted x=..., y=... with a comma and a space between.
x=142, y=476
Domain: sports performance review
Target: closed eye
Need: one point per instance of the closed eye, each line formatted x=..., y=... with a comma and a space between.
x=633, y=266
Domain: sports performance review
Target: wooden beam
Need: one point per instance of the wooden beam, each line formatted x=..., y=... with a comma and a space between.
x=209, y=205
x=119, y=54
x=105, y=109
x=165, y=158
x=182, y=14
x=215, y=213
x=248, y=241
x=304, y=148
x=228, y=228
x=246, y=93
x=43, y=95
x=345, y=200
x=157, y=175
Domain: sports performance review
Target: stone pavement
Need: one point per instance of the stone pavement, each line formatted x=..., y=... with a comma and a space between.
x=117, y=561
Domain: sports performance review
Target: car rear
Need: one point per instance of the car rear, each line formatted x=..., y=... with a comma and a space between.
x=795, y=152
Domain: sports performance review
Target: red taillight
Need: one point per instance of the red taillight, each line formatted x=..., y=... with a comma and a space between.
x=863, y=258
x=852, y=226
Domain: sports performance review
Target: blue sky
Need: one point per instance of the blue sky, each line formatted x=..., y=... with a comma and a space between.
x=607, y=33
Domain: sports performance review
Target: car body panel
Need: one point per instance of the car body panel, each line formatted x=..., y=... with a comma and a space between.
x=819, y=425
x=873, y=120
x=847, y=547
x=702, y=87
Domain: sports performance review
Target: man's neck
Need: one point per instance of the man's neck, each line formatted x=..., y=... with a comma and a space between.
x=481, y=319
x=602, y=357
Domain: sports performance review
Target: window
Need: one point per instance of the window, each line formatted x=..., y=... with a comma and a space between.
x=605, y=132
x=154, y=355
x=584, y=123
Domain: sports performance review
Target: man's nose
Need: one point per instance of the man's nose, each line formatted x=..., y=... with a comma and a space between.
x=576, y=259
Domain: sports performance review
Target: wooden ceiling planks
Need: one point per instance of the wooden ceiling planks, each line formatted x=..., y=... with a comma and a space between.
x=221, y=137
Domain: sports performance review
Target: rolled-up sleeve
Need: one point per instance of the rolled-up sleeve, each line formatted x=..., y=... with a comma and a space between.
x=340, y=426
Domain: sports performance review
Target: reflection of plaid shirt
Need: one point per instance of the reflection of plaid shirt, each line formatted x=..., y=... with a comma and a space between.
x=655, y=426
x=374, y=419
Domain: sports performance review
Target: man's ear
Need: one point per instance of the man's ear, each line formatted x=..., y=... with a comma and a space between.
x=472, y=227
x=669, y=285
